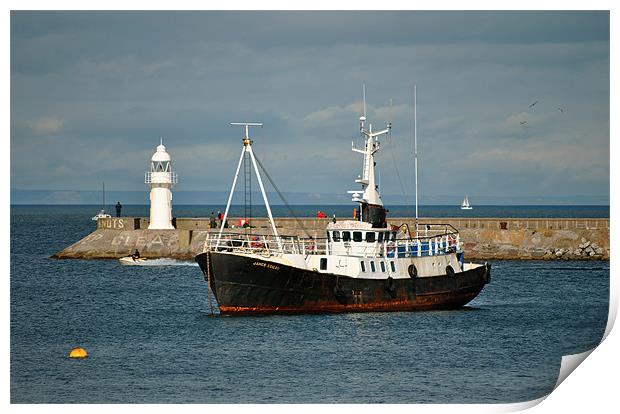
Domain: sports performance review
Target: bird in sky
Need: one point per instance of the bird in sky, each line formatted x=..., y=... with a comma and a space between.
x=561, y=110
x=532, y=105
x=523, y=122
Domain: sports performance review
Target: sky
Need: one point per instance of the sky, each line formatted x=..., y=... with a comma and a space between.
x=93, y=92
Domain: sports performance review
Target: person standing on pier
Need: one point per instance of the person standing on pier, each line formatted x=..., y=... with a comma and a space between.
x=212, y=223
x=119, y=206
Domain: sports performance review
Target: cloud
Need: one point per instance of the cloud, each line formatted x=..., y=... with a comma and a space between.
x=117, y=81
x=47, y=125
x=517, y=125
x=337, y=114
x=333, y=112
x=352, y=111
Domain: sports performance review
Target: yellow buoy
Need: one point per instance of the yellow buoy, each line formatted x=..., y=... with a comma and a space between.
x=78, y=353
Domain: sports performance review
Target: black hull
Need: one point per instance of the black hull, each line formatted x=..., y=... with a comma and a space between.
x=245, y=285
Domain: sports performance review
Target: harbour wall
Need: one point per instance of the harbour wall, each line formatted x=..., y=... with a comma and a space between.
x=482, y=238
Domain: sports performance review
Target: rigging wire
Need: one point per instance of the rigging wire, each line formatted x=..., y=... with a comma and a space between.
x=390, y=143
x=299, y=223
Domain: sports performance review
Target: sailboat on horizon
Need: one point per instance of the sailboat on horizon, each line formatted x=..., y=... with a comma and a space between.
x=102, y=213
x=465, y=205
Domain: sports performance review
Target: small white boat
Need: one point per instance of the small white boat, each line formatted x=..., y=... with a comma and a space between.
x=102, y=213
x=132, y=261
x=465, y=205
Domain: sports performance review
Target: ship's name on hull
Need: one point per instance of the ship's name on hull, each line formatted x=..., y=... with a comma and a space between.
x=267, y=265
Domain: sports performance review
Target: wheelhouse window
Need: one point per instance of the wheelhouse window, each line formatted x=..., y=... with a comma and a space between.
x=346, y=236
x=357, y=236
x=393, y=236
x=393, y=266
x=370, y=237
x=323, y=265
x=380, y=237
x=382, y=266
x=372, y=266
x=363, y=266
x=336, y=236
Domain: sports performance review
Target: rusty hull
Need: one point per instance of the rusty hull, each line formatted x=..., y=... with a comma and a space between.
x=247, y=286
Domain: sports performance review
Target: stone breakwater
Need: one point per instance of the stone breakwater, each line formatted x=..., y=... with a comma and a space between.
x=537, y=244
x=482, y=239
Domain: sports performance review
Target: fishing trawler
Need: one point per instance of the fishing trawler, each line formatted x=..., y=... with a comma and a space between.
x=360, y=265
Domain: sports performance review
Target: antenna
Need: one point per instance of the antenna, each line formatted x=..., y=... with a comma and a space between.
x=415, y=151
x=364, y=98
x=247, y=126
x=363, y=117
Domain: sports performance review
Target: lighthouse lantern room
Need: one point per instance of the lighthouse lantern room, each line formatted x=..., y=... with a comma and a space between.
x=161, y=179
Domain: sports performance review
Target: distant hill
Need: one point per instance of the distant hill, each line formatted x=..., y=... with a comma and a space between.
x=19, y=196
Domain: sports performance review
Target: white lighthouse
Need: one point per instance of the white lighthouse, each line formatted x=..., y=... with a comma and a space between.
x=161, y=179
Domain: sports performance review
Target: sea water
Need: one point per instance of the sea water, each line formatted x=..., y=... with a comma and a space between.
x=341, y=211
x=152, y=338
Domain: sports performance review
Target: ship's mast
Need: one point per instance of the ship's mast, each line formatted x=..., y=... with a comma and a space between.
x=415, y=151
x=370, y=193
x=247, y=149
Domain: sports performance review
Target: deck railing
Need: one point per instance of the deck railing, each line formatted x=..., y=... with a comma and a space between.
x=435, y=240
